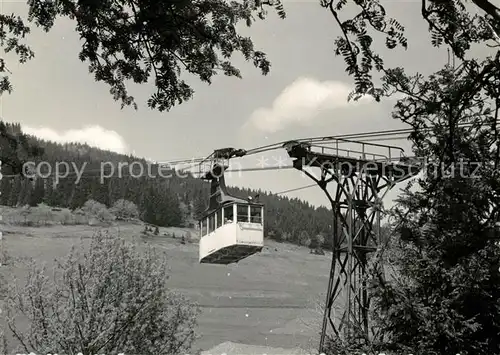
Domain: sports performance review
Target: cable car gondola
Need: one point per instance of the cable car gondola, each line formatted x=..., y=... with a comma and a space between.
x=231, y=228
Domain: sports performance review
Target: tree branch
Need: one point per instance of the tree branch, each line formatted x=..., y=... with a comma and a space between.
x=489, y=8
x=494, y=34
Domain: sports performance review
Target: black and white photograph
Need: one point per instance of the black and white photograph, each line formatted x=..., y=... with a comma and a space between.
x=249, y=177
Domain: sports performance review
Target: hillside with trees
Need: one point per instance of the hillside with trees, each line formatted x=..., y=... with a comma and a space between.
x=173, y=201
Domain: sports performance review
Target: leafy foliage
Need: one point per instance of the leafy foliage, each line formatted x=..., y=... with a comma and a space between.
x=13, y=32
x=97, y=210
x=444, y=294
x=304, y=239
x=450, y=22
x=113, y=298
x=446, y=297
x=125, y=210
x=136, y=40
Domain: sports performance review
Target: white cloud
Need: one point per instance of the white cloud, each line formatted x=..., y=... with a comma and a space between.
x=94, y=136
x=301, y=102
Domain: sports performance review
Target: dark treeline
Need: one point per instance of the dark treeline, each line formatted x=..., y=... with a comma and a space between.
x=171, y=201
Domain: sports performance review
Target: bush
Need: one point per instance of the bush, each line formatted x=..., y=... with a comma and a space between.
x=111, y=299
x=125, y=210
x=5, y=259
x=283, y=237
x=356, y=345
x=319, y=240
x=304, y=239
x=316, y=245
x=25, y=212
x=80, y=216
x=98, y=210
x=67, y=217
x=45, y=212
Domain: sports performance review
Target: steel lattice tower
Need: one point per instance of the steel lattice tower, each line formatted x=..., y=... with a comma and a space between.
x=362, y=179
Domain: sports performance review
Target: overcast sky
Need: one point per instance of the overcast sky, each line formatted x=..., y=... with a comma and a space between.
x=304, y=96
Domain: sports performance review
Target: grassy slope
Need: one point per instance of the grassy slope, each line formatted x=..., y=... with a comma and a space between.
x=268, y=299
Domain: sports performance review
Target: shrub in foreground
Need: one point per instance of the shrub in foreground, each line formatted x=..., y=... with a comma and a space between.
x=111, y=299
